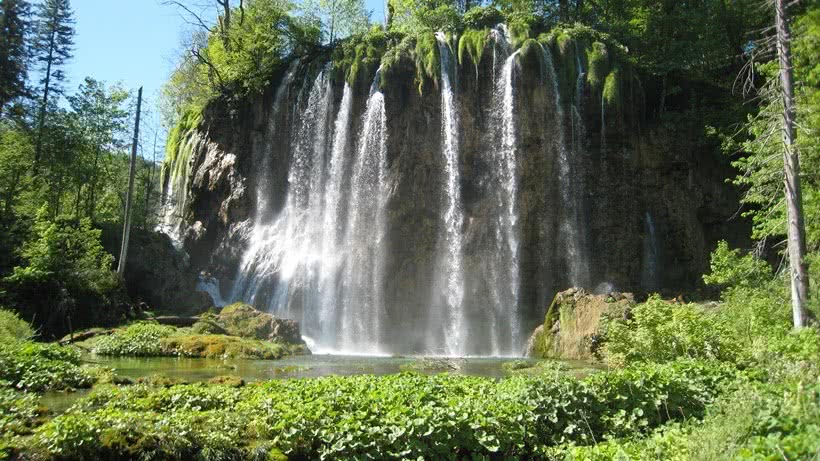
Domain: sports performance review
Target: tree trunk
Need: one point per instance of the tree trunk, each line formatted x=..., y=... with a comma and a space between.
x=126, y=231
x=791, y=164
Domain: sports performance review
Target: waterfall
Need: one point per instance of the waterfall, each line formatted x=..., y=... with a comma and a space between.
x=332, y=229
x=363, y=309
x=283, y=251
x=175, y=198
x=650, y=276
x=501, y=266
x=450, y=266
x=570, y=176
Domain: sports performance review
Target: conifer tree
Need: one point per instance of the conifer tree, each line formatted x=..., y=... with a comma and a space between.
x=52, y=48
x=13, y=29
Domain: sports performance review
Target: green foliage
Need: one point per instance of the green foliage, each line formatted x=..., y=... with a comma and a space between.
x=41, y=367
x=178, y=149
x=357, y=58
x=401, y=416
x=760, y=144
x=482, y=17
x=398, y=61
x=612, y=89
x=138, y=339
x=660, y=331
x=419, y=17
x=13, y=328
x=428, y=61
x=598, y=58
x=471, y=46
x=145, y=339
x=66, y=274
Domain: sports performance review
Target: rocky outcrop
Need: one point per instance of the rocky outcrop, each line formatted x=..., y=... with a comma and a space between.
x=157, y=273
x=650, y=198
x=244, y=321
x=572, y=326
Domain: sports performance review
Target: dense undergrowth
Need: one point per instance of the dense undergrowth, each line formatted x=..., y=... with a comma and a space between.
x=400, y=416
x=152, y=340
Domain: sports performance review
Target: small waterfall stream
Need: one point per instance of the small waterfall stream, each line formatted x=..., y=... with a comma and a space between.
x=650, y=276
x=450, y=247
x=363, y=309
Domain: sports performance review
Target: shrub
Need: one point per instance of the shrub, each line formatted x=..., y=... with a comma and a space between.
x=662, y=331
x=13, y=328
x=66, y=278
x=138, y=339
x=40, y=367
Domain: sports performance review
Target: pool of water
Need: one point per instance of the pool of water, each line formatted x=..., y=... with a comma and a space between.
x=306, y=366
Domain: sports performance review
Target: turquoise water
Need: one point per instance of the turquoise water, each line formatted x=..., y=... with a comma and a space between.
x=306, y=366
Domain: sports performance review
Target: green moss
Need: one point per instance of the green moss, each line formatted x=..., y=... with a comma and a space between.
x=178, y=147
x=357, y=57
x=398, y=62
x=598, y=58
x=519, y=32
x=432, y=365
x=532, y=55
x=471, y=46
x=428, y=61
x=227, y=380
x=221, y=346
x=612, y=89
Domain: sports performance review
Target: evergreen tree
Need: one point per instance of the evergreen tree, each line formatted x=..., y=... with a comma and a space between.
x=52, y=48
x=13, y=28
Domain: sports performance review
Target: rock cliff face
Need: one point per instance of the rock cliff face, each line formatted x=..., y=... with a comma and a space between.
x=332, y=205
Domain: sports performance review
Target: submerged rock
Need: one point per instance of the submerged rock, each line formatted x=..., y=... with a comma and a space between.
x=572, y=326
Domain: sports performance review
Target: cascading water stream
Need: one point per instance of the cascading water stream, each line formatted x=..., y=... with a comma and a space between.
x=651, y=257
x=450, y=266
x=501, y=267
x=363, y=308
x=570, y=178
x=332, y=228
x=283, y=252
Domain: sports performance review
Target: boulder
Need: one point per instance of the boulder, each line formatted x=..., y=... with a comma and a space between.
x=243, y=320
x=572, y=325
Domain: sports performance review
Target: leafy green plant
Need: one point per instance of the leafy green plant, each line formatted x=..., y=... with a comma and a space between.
x=13, y=328
x=399, y=416
x=138, y=339
x=661, y=331
x=41, y=367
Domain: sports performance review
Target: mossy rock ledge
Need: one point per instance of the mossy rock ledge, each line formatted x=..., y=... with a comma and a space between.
x=573, y=323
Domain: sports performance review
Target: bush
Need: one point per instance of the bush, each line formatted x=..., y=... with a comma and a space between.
x=661, y=331
x=40, y=367
x=482, y=17
x=399, y=416
x=13, y=328
x=67, y=277
x=138, y=339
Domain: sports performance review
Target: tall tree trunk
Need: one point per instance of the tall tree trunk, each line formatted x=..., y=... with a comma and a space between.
x=791, y=162
x=44, y=108
x=126, y=231
x=92, y=196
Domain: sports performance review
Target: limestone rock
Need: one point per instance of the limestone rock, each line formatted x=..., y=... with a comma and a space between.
x=571, y=328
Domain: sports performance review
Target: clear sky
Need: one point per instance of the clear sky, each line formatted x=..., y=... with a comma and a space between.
x=133, y=42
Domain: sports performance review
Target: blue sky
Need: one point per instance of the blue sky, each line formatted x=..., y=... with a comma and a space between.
x=134, y=42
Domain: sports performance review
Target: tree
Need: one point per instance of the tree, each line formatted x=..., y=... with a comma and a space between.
x=339, y=18
x=13, y=28
x=101, y=119
x=129, y=198
x=52, y=48
x=791, y=162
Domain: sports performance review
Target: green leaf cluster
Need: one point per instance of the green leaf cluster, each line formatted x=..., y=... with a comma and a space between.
x=401, y=416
